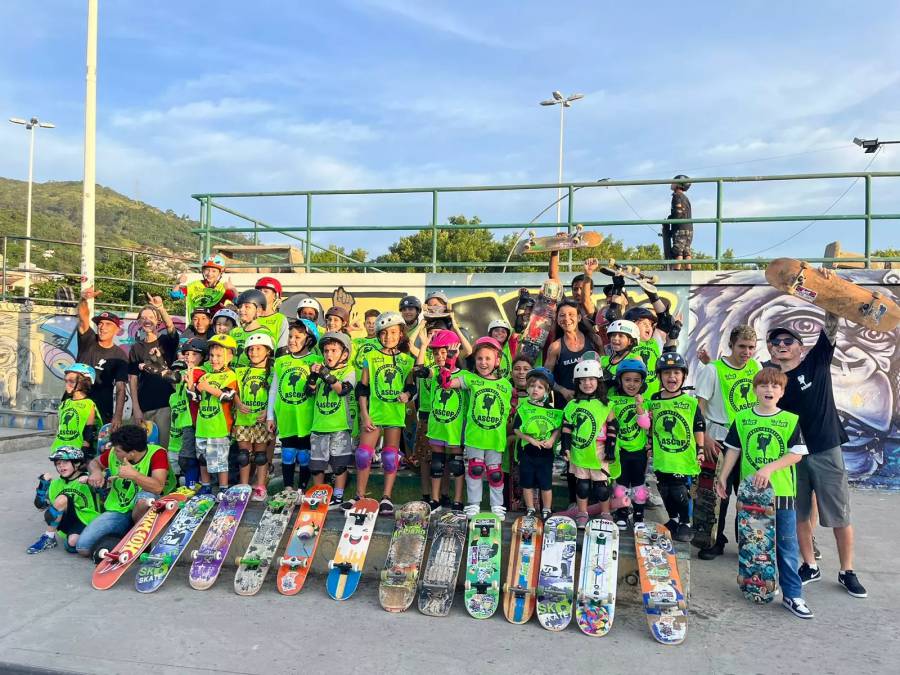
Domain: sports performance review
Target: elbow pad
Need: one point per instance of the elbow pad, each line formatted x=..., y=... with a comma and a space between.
x=421, y=371
x=346, y=388
x=675, y=330
x=643, y=421
x=664, y=321
x=362, y=390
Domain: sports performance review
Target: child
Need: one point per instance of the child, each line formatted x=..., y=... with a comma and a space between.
x=182, y=438
x=68, y=502
x=623, y=337
x=484, y=435
x=536, y=427
x=677, y=435
x=759, y=462
x=362, y=346
x=588, y=440
x=424, y=375
x=521, y=366
x=201, y=324
x=500, y=330
x=290, y=409
x=309, y=309
x=649, y=346
x=633, y=421
x=410, y=308
x=331, y=384
x=336, y=319
x=210, y=291
x=250, y=305
x=250, y=430
x=79, y=419
x=383, y=393
x=270, y=317
x=225, y=320
x=216, y=391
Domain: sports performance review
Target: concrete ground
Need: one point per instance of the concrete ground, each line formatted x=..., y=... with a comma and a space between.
x=51, y=618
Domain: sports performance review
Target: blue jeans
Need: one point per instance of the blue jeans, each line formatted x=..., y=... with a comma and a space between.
x=108, y=523
x=787, y=553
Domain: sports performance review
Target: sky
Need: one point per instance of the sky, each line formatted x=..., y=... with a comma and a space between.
x=233, y=96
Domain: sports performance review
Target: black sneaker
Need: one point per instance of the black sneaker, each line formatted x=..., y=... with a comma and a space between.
x=446, y=503
x=434, y=504
x=350, y=503
x=809, y=574
x=335, y=502
x=386, y=507
x=545, y=513
x=684, y=533
x=849, y=581
x=530, y=513
x=797, y=607
x=711, y=552
x=455, y=506
x=621, y=518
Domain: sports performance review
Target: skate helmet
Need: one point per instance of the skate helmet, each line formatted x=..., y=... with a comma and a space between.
x=487, y=341
x=271, y=283
x=684, y=186
x=635, y=314
x=308, y=327
x=626, y=327
x=500, y=323
x=223, y=341
x=671, y=361
x=67, y=453
x=339, y=312
x=195, y=344
x=334, y=336
x=387, y=319
x=263, y=339
x=543, y=374
x=82, y=369
x=215, y=262
x=589, y=368
x=411, y=301
x=227, y=314
x=310, y=303
x=252, y=296
x=443, y=338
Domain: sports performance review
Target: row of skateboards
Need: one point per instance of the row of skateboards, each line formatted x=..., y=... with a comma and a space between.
x=540, y=575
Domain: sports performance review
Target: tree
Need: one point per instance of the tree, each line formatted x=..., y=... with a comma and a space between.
x=337, y=254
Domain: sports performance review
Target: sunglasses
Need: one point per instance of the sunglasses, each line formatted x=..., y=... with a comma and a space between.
x=787, y=342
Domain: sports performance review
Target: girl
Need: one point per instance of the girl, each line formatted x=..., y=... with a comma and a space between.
x=78, y=416
x=251, y=304
x=623, y=337
x=500, y=330
x=521, y=366
x=224, y=321
x=649, y=347
x=250, y=430
x=336, y=320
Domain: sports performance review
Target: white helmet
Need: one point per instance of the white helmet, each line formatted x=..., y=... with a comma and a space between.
x=312, y=303
x=628, y=328
x=387, y=319
x=499, y=323
x=263, y=339
x=588, y=368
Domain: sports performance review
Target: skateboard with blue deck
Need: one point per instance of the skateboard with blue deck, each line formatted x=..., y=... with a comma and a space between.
x=345, y=570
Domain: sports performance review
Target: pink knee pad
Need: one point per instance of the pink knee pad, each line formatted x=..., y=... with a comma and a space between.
x=390, y=460
x=364, y=454
x=495, y=475
x=476, y=468
x=620, y=498
x=641, y=494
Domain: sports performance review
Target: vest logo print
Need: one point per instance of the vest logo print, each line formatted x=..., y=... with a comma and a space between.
x=488, y=409
x=671, y=430
x=584, y=430
x=292, y=385
x=447, y=406
x=739, y=394
x=388, y=382
x=69, y=424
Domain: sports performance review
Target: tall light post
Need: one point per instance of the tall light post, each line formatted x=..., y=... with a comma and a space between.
x=90, y=155
x=563, y=102
x=30, y=125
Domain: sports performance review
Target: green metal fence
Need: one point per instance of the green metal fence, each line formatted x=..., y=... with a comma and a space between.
x=209, y=233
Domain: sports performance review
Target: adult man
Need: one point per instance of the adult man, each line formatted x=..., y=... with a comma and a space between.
x=809, y=395
x=97, y=349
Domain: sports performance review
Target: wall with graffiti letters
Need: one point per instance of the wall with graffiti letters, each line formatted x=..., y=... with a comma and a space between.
x=37, y=343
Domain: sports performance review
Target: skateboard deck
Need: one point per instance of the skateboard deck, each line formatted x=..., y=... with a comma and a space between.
x=442, y=566
x=294, y=565
x=116, y=561
x=706, y=505
x=522, y=569
x=345, y=570
x=756, y=542
x=542, y=322
x=160, y=561
x=561, y=241
x=596, y=605
x=634, y=274
x=103, y=435
x=254, y=564
x=400, y=574
x=661, y=590
x=209, y=557
x=556, y=581
x=857, y=304
x=483, y=566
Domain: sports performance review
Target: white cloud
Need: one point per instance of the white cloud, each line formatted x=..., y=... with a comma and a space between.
x=196, y=112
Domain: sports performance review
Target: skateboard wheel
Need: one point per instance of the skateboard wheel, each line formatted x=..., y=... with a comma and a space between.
x=579, y=227
x=217, y=556
x=532, y=234
x=303, y=562
x=171, y=506
x=124, y=557
x=220, y=497
x=194, y=554
x=242, y=497
x=631, y=579
x=468, y=585
x=331, y=564
x=237, y=561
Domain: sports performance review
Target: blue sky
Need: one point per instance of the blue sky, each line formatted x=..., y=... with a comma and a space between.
x=235, y=96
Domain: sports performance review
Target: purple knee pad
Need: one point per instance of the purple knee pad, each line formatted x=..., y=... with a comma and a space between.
x=641, y=494
x=364, y=455
x=390, y=460
x=495, y=475
x=620, y=498
x=476, y=468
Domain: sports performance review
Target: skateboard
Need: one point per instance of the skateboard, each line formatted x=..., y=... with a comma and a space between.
x=253, y=566
x=661, y=590
x=345, y=570
x=561, y=241
x=522, y=569
x=542, y=322
x=756, y=542
x=209, y=557
x=442, y=567
x=115, y=561
x=106, y=430
x=294, y=565
x=482, y=588
x=556, y=581
x=397, y=589
x=160, y=561
x=836, y=295
x=634, y=274
x=596, y=603
x=706, y=505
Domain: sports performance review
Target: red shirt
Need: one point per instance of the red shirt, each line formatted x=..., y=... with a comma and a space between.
x=159, y=461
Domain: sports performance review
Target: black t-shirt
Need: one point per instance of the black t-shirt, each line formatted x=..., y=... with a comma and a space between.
x=111, y=364
x=189, y=333
x=153, y=390
x=809, y=395
x=681, y=208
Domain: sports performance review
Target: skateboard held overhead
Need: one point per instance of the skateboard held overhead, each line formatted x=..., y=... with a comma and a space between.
x=756, y=542
x=483, y=566
x=209, y=557
x=634, y=274
x=345, y=570
x=442, y=567
x=556, y=581
x=561, y=241
x=253, y=566
x=294, y=565
x=397, y=589
x=542, y=322
x=522, y=569
x=596, y=604
x=661, y=590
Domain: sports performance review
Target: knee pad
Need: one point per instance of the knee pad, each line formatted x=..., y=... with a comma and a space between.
x=364, y=455
x=303, y=457
x=289, y=455
x=243, y=458
x=495, y=475
x=339, y=471
x=53, y=516
x=620, y=498
x=582, y=488
x=477, y=467
x=600, y=491
x=438, y=460
x=390, y=460
x=457, y=466
x=260, y=458
x=641, y=494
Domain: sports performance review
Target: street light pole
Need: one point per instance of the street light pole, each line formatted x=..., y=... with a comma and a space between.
x=30, y=125
x=563, y=102
x=90, y=149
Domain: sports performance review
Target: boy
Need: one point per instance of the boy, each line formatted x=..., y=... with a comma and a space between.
x=270, y=317
x=182, y=438
x=362, y=346
x=209, y=291
x=216, y=391
x=250, y=306
x=771, y=463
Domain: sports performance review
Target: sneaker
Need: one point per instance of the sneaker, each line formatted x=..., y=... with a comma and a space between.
x=455, y=506
x=205, y=489
x=621, y=518
x=335, y=502
x=530, y=513
x=849, y=581
x=581, y=519
x=386, y=507
x=499, y=511
x=817, y=554
x=712, y=552
x=545, y=513
x=259, y=494
x=607, y=516
x=637, y=517
x=797, y=607
x=46, y=541
x=434, y=504
x=471, y=510
x=809, y=574
x=447, y=504
x=348, y=504
x=684, y=533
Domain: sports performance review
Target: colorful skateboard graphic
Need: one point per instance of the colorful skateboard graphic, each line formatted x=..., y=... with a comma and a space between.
x=561, y=241
x=706, y=505
x=346, y=568
x=542, y=322
x=209, y=557
x=254, y=565
x=556, y=581
x=483, y=566
x=442, y=567
x=397, y=589
x=294, y=565
x=756, y=542
x=647, y=282
x=160, y=561
x=522, y=569
x=596, y=605
x=106, y=430
x=661, y=590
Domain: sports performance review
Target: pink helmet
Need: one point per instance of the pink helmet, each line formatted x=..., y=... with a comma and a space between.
x=489, y=342
x=443, y=338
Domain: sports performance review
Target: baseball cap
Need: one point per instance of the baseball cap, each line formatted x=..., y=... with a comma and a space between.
x=202, y=310
x=107, y=316
x=781, y=329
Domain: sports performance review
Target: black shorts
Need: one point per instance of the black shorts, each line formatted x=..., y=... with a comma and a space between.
x=296, y=442
x=70, y=523
x=634, y=468
x=536, y=471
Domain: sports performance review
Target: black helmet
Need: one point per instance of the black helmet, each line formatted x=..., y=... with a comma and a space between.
x=195, y=344
x=636, y=313
x=411, y=301
x=253, y=297
x=671, y=361
x=684, y=186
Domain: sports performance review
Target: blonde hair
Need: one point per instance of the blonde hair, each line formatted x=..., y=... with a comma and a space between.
x=742, y=332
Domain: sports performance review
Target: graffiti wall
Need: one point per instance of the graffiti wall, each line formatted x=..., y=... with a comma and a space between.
x=37, y=343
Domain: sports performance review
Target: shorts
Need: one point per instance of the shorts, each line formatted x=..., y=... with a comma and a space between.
x=597, y=475
x=70, y=523
x=258, y=433
x=823, y=473
x=215, y=450
x=634, y=468
x=681, y=242
x=334, y=448
x=188, y=443
x=536, y=471
x=296, y=442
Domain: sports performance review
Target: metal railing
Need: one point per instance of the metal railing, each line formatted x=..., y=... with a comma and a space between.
x=209, y=233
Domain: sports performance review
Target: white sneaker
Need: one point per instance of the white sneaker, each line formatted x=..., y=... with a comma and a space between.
x=471, y=510
x=797, y=607
x=499, y=511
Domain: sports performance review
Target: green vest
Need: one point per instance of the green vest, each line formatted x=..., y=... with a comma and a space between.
x=253, y=389
x=609, y=368
x=361, y=349
x=331, y=411
x=630, y=438
x=275, y=324
x=586, y=417
x=123, y=492
x=73, y=418
x=674, y=445
x=294, y=405
x=736, y=385
x=537, y=421
x=198, y=295
x=448, y=412
x=649, y=352
x=763, y=441
x=81, y=498
x=212, y=421
x=505, y=367
x=488, y=411
x=426, y=387
x=181, y=416
x=240, y=336
x=387, y=377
